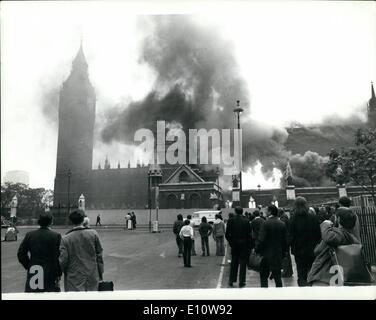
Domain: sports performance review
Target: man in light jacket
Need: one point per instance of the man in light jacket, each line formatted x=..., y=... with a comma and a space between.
x=81, y=256
x=186, y=234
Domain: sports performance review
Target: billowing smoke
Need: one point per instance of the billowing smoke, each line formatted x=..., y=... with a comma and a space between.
x=197, y=84
x=49, y=103
x=308, y=170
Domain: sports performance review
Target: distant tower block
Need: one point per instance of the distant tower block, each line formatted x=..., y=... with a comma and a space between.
x=17, y=176
x=371, y=109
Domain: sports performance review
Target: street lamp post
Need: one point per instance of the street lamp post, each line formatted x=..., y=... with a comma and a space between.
x=238, y=110
x=69, y=174
x=149, y=198
x=259, y=192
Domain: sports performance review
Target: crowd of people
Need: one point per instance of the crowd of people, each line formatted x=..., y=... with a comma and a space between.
x=307, y=233
x=130, y=221
x=185, y=236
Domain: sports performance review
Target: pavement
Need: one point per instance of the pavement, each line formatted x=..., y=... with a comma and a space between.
x=138, y=259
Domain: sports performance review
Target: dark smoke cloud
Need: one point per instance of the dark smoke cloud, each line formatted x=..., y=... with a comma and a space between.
x=197, y=84
x=333, y=132
x=308, y=170
x=49, y=102
x=173, y=107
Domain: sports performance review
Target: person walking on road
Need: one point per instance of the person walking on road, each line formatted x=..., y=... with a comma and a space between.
x=238, y=235
x=178, y=224
x=186, y=234
x=305, y=235
x=272, y=247
x=219, y=230
x=98, y=220
x=205, y=230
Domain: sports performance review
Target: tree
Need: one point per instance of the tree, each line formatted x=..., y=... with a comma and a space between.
x=31, y=201
x=356, y=164
x=9, y=190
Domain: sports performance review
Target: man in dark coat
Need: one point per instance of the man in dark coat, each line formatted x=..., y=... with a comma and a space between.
x=43, y=270
x=256, y=225
x=178, y=224
x=272, y=247
x=238, y=235
x=286, y=263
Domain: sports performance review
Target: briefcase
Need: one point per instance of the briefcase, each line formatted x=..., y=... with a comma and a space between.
x=106, y=286
x=254, y=261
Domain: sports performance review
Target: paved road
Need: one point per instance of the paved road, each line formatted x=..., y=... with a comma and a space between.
x=137, y=259
x=253, y=277
x=134, y=259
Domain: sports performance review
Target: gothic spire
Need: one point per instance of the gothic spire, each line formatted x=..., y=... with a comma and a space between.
x=79, y=62
x=372, y=91
x=107, y=163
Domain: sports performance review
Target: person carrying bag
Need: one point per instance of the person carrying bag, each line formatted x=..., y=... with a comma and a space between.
x=254, y=261
x=352, y=269
x=338, y=257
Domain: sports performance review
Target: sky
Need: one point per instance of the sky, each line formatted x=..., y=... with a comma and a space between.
x=302, y=62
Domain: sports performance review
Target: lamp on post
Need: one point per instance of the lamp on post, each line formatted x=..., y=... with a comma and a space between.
x=155, y=177
x=149, y=197
x=69, y=174
x=259, y=193
x=238, y=110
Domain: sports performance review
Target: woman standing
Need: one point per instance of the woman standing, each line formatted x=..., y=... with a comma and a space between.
x=305, y=235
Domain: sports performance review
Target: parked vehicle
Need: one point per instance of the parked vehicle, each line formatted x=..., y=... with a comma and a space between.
x=5, y=223
x=209, y=214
